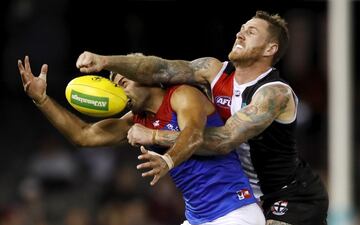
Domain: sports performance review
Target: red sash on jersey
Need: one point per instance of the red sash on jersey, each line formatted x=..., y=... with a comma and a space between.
x=223, y=92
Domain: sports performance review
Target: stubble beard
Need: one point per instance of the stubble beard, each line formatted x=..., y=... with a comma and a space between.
x=245, y=59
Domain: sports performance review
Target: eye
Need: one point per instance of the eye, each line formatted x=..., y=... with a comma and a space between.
x=124, y=83
x=252, y=31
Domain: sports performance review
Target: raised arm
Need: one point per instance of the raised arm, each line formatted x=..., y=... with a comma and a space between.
x=152, y=69
x=105, y=132
x=192, y=110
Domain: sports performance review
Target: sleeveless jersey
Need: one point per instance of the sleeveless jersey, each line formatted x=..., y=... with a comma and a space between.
x=270, y=159
x=211, y=186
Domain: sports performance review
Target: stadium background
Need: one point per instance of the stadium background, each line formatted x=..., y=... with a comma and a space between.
x=46, y=180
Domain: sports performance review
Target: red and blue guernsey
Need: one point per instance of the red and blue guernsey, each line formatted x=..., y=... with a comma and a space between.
x=211, y=186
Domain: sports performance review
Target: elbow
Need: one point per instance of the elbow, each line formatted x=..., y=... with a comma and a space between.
x=229, y=145
x=80, y=143
x=81, y=140
x=197, y=140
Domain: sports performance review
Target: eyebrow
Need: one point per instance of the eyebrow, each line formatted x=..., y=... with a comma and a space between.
x=249, y=27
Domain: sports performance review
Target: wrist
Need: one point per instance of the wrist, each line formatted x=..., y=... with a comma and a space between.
x=154, y=136
x=105, y=61
x=167, y=158
x=42, y=101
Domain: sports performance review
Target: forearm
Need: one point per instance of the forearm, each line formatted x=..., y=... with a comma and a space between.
x=238, y=129
x=186, y=144
x=149, y=69
x=219, y=140
x=167, y=138
x=67, y=123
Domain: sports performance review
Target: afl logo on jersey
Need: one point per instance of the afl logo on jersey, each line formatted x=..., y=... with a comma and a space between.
x=223, y=101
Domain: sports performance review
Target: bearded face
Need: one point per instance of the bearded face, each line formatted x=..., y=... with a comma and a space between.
x=251, y=43
x=246, y=57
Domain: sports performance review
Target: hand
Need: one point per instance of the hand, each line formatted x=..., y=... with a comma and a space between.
x=157, y=165
x=35, y=87
x=89, y=62
x=140, y=135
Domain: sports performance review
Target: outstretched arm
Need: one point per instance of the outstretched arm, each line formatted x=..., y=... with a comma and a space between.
x=269, y=103
x=104, y=132
x=152, y=69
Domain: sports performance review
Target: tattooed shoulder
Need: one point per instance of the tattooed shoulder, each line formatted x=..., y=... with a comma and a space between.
x=273, y=98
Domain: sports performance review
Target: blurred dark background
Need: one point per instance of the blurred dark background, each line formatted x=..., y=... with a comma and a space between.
x=46, y=180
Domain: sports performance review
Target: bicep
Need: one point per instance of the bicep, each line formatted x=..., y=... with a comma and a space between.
x=266, y=105
x=271, y=100
x=190, y=107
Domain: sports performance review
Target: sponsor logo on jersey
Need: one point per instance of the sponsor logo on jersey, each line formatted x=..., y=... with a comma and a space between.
x=223, y=101
x=243, y=194
x=279, y=208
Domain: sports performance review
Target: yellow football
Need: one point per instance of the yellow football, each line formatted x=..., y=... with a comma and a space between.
x=95, y=96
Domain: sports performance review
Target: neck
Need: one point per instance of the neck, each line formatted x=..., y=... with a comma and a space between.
x=155, y=100
x=245, y=74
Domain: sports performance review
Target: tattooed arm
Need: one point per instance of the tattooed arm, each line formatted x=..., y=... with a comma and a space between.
x=152, y=69
x=269, y=103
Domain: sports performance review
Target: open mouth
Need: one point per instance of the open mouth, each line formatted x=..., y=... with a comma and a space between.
x=238, y=46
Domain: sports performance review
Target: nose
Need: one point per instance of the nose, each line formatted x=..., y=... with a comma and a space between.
x=240, y=35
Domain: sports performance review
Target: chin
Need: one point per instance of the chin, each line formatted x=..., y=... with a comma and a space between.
x=233, y=56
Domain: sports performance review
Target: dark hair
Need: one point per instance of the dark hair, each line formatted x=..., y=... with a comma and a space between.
x=278, y=32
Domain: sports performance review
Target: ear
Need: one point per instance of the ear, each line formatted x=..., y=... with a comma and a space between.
x=271, y=49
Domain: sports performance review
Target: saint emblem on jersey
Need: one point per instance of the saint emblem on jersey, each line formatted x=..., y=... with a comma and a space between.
x=243, y=194
x=279, y=208
x=223, y=101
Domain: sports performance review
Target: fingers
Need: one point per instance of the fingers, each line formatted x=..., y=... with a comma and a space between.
x=154, y=180
x=25, y=72
x=85, y=62
x=143, y=150
x=22, y=72
x=152, y=172
x=80, y=60
x=144, y=165
x=20, y=66
x=43, y=73
x=85, y=70
x=153, y=164
x=27, y=64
